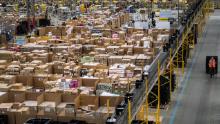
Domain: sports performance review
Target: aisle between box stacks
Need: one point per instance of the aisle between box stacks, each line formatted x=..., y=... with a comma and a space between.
x=198, y=99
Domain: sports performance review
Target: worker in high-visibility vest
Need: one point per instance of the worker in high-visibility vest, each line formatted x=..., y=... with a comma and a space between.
x=212, y=66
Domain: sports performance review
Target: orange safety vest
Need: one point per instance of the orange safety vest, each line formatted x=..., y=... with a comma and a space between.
x=212, y=63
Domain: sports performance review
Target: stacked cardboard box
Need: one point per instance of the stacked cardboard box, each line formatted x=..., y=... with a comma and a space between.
x=143, y=60
x=6, y=55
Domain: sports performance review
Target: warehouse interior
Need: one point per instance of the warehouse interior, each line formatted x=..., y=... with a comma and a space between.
x=109, y=61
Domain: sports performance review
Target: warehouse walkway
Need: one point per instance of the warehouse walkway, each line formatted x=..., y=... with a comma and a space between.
x=198, y=101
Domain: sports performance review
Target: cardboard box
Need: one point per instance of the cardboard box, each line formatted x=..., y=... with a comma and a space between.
x=114, y=59
x=6, y=55
x=85, y=103
x=8, y=79
x=102, y=112
x=22, y=117
x=32, y=100
x=67, y=106
x=39, y=80
x=25, y=80
x=3, y=97
x=5, y=107
x=89, y=82
x=4, y=87
x=50, y=101
x=16, y=96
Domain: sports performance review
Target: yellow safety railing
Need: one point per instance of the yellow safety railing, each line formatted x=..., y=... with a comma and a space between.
x=174, y=60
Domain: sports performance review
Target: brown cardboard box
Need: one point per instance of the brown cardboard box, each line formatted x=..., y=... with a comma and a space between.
x=25, y=80
x=2, y=69
x=62, y=117
x=4, y=87
x=143, y=60
x=22, y=117
x=102, y=112
x=39, y=80
x=11, y=117
x=114, y=59
x=129, y=59
x=101, y=58
x=42, y=31
x=50, y=101
x=138, y=50
x=89, y=82
x=6, y=55
x=107, y=33
x=42, y=114
x=85, y=100
x=121, y=87
x=3, y=97
x=32, y=100
x=53, y=77
x=67, y=105
x=58, y=67
x=15, y=96
x=8, y=79
x=87, y=103
x=3, y=62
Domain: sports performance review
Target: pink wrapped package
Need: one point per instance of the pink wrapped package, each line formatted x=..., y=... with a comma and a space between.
x=73, y=84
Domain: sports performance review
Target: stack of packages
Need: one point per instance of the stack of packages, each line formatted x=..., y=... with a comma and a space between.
x=6, y=55
x=33, y=46
x=102, y=59
x=65, y=84
x=27, y=71
x=114, y=59
x=113, y=49
x=76, y=49
x=88, y=48
x=118, y=69
x=129, y=59
x=87, y=59
x=100, y=50
x=21, y=57
x=29, y=68
x=86, y=90
x=3, y=66
x=71, y=70
x=40, y=55
x=44, y=69
x=58, y=67
x=68, y=71
x=143, y=60
x=104, y=87
x=50, y=84
x=14, y=68
x=121, y=87
x=58, y=49
x=8, y=79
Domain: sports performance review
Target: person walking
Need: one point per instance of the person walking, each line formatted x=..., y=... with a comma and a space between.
x=212, y=66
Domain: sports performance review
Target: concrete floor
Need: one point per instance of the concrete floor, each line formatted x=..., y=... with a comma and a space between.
x=198, y=98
